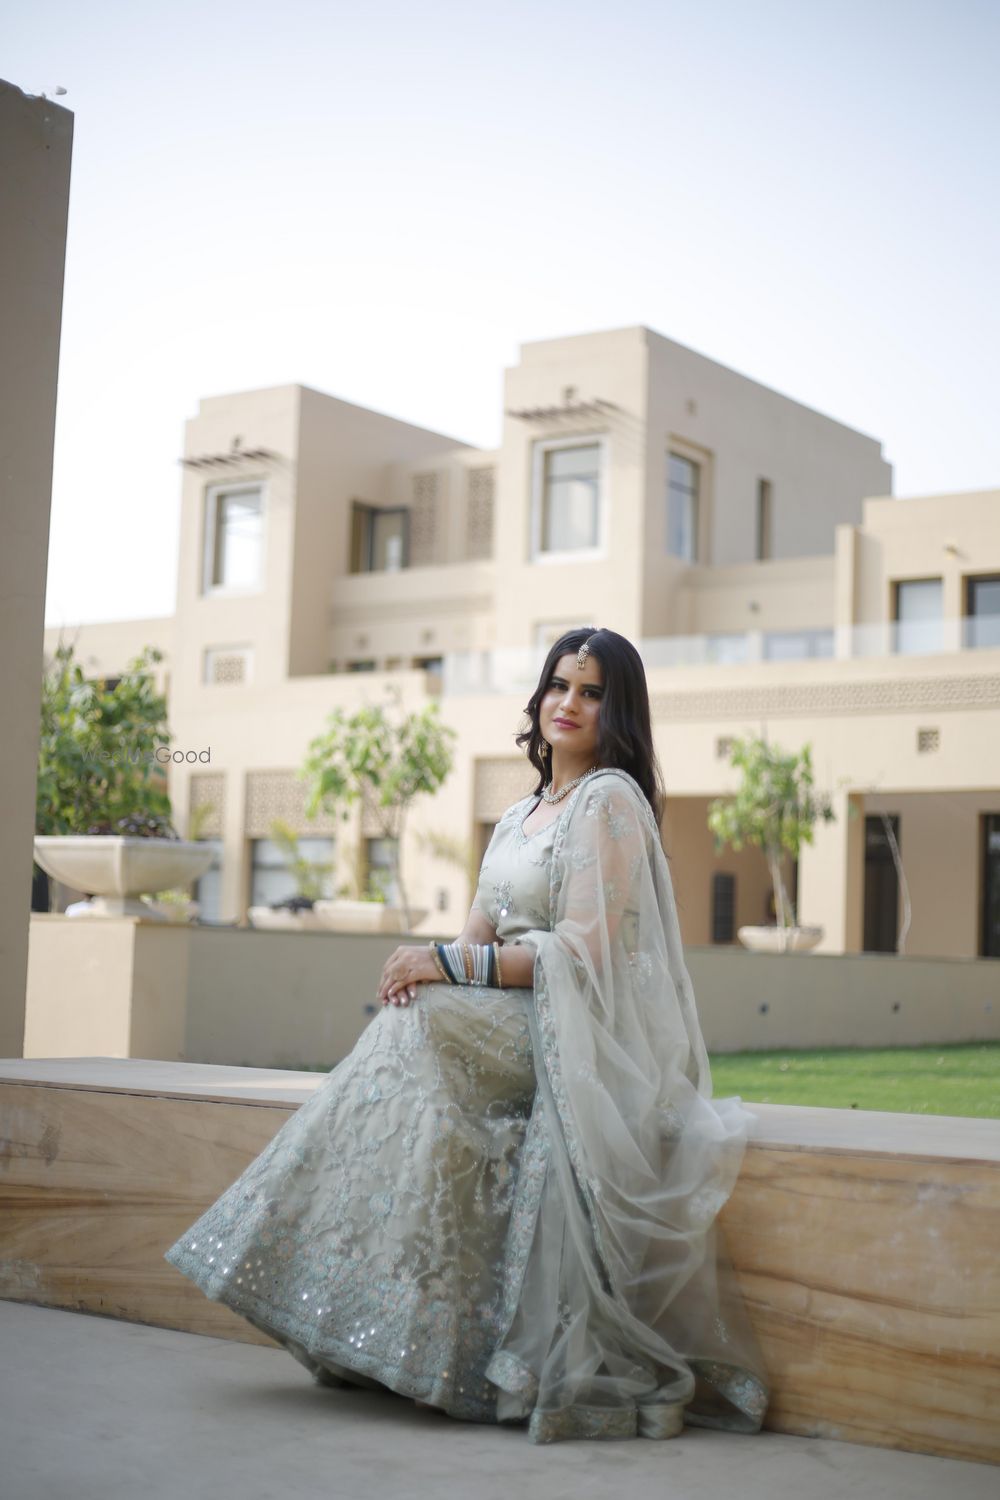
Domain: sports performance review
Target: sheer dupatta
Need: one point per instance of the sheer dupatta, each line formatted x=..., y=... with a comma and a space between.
x=621, y=1314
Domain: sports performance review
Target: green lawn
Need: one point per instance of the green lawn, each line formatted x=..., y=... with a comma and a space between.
x=949, y=1080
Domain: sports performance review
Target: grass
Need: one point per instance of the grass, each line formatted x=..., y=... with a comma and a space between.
x=954, y=1079
x=947, y=1080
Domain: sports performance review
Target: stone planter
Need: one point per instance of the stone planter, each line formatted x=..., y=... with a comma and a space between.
x=280, y=919
x=365, y=916
x=770, y=939
x=117, y=870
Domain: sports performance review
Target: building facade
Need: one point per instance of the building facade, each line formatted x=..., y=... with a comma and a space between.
x=748, y=545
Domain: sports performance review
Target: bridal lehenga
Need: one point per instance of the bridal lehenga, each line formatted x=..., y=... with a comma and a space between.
x=503, y=1201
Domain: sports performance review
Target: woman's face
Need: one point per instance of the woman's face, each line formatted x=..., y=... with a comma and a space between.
x=571, y=706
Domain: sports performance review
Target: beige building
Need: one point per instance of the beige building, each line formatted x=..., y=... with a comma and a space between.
x=748, y=545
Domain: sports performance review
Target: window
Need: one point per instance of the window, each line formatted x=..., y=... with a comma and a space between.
x=368, y=665
x=380, y=538
x=723, y=907
x=208, y=887
x=982, y=608
x=568, y=494
x=270, y=878
x=918, y=615
x=683, y=487
x=234, y=534
x=379, y=856
x=764, y=541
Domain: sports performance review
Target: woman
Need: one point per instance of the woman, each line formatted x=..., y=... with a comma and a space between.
x=502, y=1202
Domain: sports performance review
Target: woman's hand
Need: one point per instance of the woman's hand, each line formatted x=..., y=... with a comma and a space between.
x=404, y=969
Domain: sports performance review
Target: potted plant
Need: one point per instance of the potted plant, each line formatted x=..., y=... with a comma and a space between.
x=102, y=819
x=310, y=876
x=775, y=810
x=389, y=758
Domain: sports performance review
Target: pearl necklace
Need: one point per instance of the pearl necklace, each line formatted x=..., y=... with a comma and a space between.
x=549, y=796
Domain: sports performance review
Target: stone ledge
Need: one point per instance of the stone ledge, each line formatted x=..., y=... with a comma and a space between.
x=863, y=1241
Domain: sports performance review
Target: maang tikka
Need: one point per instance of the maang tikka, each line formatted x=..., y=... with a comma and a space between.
x=583, y=653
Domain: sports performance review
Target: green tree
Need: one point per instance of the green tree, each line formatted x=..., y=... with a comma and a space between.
x=775, y=810
x=385, y=756
x=97, y=760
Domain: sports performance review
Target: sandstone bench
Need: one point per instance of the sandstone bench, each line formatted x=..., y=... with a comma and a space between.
x=865, y=1243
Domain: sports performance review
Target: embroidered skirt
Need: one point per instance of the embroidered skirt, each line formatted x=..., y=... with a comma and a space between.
x=368, y=1238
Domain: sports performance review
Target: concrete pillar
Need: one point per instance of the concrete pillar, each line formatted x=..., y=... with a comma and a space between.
x=35, y=148
x=832, y=875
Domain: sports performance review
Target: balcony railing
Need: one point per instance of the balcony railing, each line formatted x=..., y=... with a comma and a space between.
x=516, y=669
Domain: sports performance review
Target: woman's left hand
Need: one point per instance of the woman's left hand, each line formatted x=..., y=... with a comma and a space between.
x=404, y=969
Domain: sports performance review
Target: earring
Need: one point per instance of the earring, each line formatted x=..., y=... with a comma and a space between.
x=543, y=749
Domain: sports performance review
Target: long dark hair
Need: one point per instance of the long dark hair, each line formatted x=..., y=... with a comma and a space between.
x=624, y=729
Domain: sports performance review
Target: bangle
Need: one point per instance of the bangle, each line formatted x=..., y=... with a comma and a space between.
x=452, y=961
x=433, y=946
x=468, y=963
x=451, y=957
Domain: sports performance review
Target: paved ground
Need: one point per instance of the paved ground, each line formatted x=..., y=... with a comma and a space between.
x=94, y=1409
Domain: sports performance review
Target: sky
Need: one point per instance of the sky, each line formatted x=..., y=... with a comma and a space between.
x=384, y=201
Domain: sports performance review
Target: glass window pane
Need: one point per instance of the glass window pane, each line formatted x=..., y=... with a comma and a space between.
x=683, y=478
x=573, y=463
x=919, y=604
x=387, y=540
x=983, y=626
x=683, y=474
x=571, y=499
x=238, y=533
x=270, y=878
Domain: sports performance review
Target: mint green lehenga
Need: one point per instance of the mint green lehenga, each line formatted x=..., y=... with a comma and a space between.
x=502, y=1202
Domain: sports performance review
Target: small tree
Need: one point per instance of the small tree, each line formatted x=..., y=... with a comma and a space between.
x=96, y=758
x=774, y=809
x=385, y=754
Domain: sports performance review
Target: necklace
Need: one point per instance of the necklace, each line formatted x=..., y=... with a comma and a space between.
x=550, y=796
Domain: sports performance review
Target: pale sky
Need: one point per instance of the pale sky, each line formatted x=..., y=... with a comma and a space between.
x=383, y=200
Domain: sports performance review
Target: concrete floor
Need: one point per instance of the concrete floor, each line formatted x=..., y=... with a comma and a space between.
x=95, y=1409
